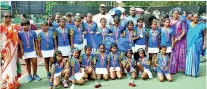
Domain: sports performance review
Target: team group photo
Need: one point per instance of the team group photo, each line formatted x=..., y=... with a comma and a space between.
x=103, y=44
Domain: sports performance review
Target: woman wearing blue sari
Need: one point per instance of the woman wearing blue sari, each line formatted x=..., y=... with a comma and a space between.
x=196, y=42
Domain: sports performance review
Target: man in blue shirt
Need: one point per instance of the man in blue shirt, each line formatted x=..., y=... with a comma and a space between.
x=57, y=18
x=132, y=17
x=70, y=22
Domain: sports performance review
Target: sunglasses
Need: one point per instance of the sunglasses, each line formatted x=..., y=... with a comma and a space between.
x=26, y=24
x=8, y=16
x=69, y=16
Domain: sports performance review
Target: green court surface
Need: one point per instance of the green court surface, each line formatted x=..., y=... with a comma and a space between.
x=180, y=81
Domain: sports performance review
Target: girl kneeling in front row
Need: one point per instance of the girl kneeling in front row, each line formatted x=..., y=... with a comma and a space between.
x=115, y=62
x=161, y=64
x=143, y=64
x=60, y=70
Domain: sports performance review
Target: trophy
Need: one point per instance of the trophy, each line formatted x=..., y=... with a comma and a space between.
x=97, y=80
x=131, y=83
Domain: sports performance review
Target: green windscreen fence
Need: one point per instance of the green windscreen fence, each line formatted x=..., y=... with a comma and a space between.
x=83, y=9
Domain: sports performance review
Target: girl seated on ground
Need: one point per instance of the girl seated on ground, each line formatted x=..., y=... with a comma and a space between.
x=76, y=70
x=129, y=64
x=88, y=63
x=60, y=69
x=143, y=64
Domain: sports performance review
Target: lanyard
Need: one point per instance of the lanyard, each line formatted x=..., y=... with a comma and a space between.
x=46, y=34
x=64, y=34
x=103, y=33
x=116, y=32
x=88, y=60
x=130, y=37
x=27, y=37
x=102, y=59
x=114, y=60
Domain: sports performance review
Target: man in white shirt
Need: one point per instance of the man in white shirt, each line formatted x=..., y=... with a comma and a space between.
x=103, y=14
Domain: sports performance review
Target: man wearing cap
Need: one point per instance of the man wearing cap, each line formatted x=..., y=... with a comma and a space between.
x=132, y=17
x=69, y=17
x=103, y=14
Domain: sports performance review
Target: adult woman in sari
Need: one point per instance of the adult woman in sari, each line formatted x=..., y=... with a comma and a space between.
x=196, y=43
x=178, y=57
x=9, y=45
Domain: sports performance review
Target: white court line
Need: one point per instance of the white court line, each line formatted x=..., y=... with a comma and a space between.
x=27, y=73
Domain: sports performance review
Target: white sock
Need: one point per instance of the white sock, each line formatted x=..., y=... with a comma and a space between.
x=72, y=86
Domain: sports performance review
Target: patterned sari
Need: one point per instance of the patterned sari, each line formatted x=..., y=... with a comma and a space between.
x=194, y=48
x=178, y=55
x=9, y=47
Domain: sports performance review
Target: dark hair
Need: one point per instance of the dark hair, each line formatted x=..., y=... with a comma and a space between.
x=55, y=55
x=113, y=45
x=50, y=17
x=175, y=9
x=140, y=19
x=129, y=50
x=103, y=19
x=86, y=47
x=141, y=50
x=57, y=13
x=117, y=18
x=23, y=15
x=148, y=9
x=130, y=22
x=162, y=47
x=88, y=14
x=25, y=22
x=77, y=18
x=62, y=18
x=101, y=45
x=44, y=23
x=166, y=19
x=154, y=21
x=5, y=12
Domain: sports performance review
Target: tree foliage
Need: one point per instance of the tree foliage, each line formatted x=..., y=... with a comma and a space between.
x=50, y=4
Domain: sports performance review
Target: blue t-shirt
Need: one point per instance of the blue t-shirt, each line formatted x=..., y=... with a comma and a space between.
x=132, y=61
x=166, y=37
x=134, y=19
x=69, y=25
x=62, y=36
x=75, y=63
x=47, y=40
x=59, y=68
x=51, y=29
x=129, y=35
x=114, y=59
x=77, y=36
x=101, y=63
x=153, y=38
x=86, y=61
x=144, y=63
x=55, y=24
x=142, y=36
x=88, y=28
x=117, y=31
x=162, y=62
x=31, y=36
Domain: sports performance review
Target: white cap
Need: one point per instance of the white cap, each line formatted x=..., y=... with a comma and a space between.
x=102, y=5
x=77, y=14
